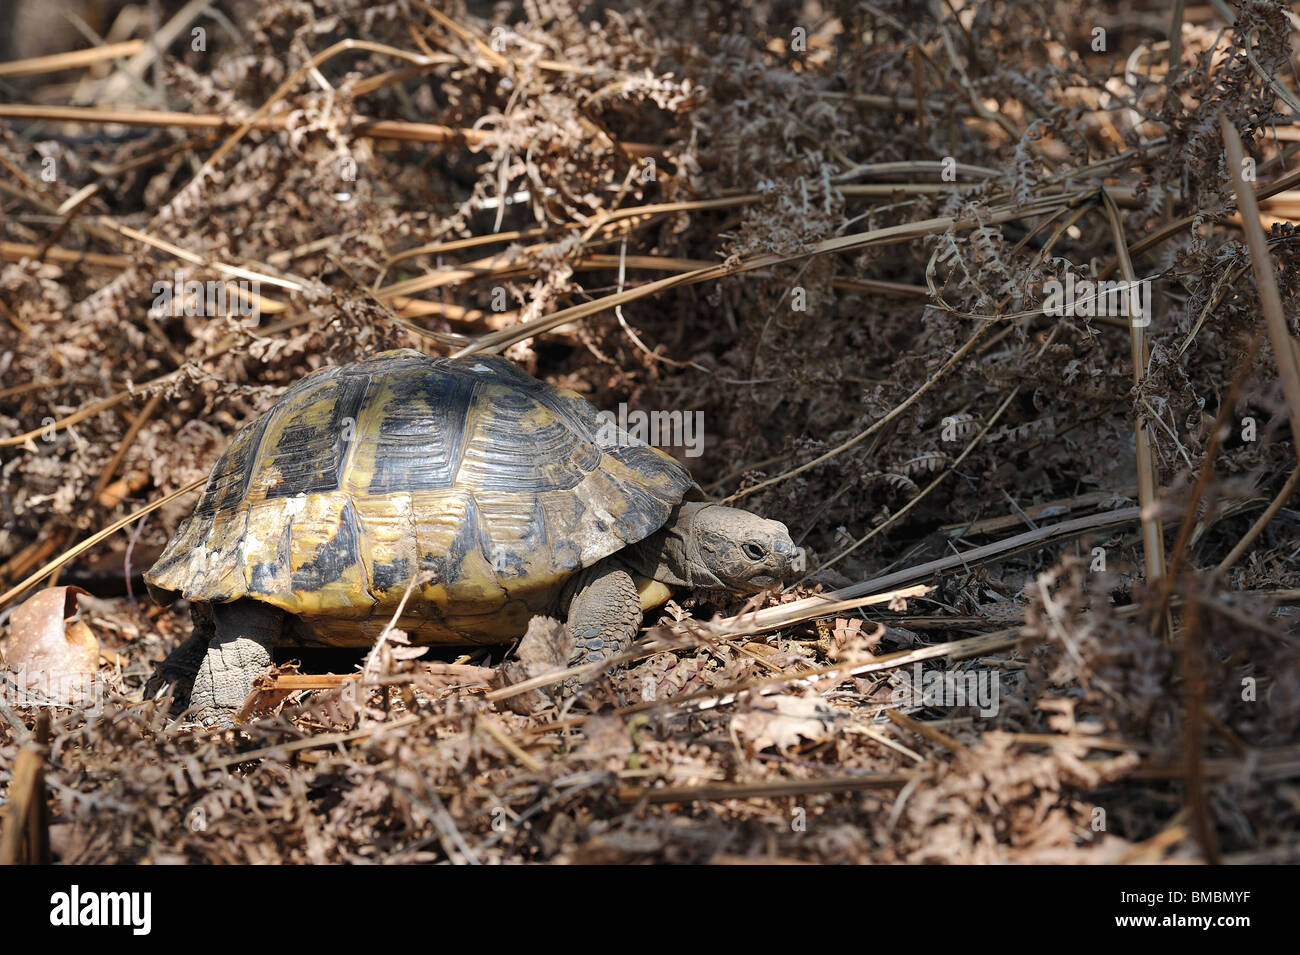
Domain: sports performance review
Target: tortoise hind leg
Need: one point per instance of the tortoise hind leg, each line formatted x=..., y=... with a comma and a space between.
x=604, y=616
x=245, y=632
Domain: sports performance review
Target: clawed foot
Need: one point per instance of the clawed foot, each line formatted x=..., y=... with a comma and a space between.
x=547, y=647
x=216, y=718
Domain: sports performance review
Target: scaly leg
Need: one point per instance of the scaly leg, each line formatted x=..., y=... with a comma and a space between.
x=246, y=631
x=604, y=617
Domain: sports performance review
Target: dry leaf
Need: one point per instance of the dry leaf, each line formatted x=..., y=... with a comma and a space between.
x=54, y=655
x=782, y=721
x=606, y=742
x=845, y=638
x=544, y=649
x=545, y=645
x=266, y=696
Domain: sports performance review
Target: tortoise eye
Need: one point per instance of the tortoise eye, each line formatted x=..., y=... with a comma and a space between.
x=753, y=551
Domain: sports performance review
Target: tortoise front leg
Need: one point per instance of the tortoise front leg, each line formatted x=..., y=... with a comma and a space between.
x=175, y=675
x=604, y=616
x=246, y=631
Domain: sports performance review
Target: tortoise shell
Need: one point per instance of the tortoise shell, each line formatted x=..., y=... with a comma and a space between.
x=365, y=476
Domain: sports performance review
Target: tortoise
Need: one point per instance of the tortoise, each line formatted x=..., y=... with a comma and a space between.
x=464, y=491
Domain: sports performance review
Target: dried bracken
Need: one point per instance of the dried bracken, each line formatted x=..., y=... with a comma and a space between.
x=867, y=209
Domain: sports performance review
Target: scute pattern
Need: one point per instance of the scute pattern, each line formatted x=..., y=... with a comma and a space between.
x=402, y=441
x=488, y=484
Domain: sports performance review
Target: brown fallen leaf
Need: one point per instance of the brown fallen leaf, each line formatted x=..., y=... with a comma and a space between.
x=268, y=691
x=680, y=677
x=544, y=649
x=116, y=492
x=111, y=657
x=782, y=721
x=53, y=654
x=849, y=640
x=605, y=742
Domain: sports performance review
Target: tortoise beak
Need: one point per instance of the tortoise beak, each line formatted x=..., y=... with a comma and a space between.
x=785, y=552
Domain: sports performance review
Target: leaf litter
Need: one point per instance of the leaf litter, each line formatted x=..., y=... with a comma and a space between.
x=861, y=208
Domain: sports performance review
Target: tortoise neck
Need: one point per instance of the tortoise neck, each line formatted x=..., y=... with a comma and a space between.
x=671, y=554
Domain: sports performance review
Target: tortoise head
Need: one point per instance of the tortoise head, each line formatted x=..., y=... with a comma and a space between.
x=723, y=548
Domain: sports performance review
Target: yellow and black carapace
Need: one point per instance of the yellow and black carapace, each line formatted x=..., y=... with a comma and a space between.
x=485, y=484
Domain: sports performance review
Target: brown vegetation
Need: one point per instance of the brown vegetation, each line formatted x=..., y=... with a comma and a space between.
x=829, y=227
